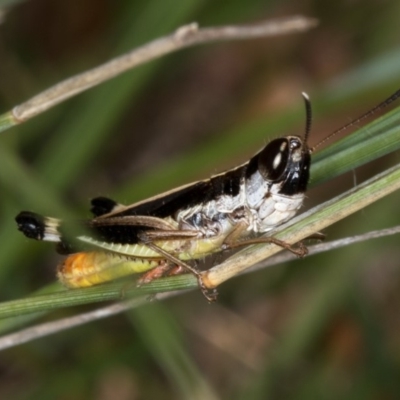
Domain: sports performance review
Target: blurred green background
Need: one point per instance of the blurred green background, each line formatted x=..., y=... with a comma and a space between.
x=324, y=327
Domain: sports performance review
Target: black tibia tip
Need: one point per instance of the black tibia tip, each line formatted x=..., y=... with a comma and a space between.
x=67, y=248
x=31, y=225
x=102, y=205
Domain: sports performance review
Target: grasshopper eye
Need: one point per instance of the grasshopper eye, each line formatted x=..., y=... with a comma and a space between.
x=273, y=159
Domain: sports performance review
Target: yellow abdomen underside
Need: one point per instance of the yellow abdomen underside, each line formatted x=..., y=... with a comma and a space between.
x=92, y=268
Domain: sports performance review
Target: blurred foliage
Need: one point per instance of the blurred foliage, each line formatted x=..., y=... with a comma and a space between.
x=326, y=327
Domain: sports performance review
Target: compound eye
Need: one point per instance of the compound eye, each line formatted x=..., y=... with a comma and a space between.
x=273, y=159
x=295, y=143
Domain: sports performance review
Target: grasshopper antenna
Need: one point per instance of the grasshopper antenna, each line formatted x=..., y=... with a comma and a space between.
x=368, y=114
x=307, y=103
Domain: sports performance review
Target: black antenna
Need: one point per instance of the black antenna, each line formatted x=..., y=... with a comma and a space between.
x=379, y=107
x=307, y=103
